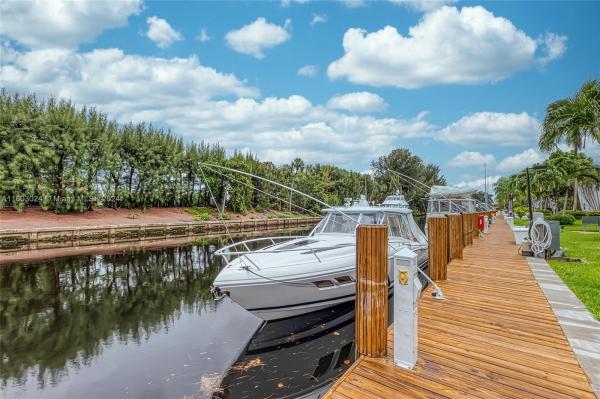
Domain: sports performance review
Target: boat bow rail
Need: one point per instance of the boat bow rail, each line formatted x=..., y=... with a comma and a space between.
x=303, y=247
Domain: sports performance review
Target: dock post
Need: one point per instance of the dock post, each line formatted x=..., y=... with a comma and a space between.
x=455, y=236
x=407, y=288
x=371, y=290
x=466, y=233
x=437, y=231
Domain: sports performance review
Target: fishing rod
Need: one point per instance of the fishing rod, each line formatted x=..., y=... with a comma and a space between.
x=282, y=186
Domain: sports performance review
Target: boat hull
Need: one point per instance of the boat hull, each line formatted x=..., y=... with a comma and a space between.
x=274, y=300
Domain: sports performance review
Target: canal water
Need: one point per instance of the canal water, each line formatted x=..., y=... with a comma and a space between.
x=143, y=324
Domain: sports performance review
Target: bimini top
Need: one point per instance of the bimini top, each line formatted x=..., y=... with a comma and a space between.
x=453, y=192
x=392, y=203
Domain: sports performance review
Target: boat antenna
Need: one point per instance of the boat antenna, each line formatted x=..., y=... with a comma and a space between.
x=485, y=178
x=282, y=186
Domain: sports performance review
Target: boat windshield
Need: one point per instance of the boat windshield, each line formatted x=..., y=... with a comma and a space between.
x=404, y=226
x=342, y=224
x=338, y=223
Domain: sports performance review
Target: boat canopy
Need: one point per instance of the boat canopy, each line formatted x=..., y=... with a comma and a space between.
x=445, y=199
x=401, y=224
x=448, y=191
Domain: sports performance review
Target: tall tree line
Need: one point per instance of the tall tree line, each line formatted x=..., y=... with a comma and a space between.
x=65, y=158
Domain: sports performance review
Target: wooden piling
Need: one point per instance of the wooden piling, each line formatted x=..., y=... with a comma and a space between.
x=371, y=290
x=437, y=231
x=475, y=222
x=467, y=229
x=455, y=236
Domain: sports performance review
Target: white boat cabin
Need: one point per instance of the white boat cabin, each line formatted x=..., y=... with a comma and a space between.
x=393, y=212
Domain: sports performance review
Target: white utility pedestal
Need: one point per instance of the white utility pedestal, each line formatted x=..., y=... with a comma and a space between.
x=486, y=224
x=407, y=289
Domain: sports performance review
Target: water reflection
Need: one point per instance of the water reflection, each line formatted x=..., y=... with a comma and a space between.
x=62, y=312
x=293, y=358
x=134, y=324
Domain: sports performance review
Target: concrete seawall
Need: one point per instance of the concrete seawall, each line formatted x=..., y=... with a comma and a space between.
x=63, y=237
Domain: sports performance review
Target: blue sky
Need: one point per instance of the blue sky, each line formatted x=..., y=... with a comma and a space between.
x=458, y=83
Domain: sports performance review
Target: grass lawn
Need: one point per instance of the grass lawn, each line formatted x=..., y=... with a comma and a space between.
x=582, y=279
x=520, y=222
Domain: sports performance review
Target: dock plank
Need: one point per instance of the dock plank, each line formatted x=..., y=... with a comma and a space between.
x=495, y=336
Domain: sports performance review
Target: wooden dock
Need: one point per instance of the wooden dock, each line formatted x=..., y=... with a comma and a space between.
x=494, y=336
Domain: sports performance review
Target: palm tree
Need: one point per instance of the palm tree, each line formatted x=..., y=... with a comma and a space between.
x=574, y=120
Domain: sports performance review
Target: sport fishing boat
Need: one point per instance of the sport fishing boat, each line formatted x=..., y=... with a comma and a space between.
x=289, y=276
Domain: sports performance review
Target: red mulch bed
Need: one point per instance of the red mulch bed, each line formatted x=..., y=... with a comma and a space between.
x=34, y=218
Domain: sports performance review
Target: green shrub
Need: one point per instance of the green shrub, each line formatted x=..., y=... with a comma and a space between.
x=546, y=212
x=202, y=241
x=580, y=214
x=564, y=219
x=199, y=213
x=521, y=211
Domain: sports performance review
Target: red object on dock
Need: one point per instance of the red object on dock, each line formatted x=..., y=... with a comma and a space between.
x=481, y=222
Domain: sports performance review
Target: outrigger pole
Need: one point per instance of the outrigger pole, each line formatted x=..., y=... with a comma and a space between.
x=210, y=165
x=410, y=179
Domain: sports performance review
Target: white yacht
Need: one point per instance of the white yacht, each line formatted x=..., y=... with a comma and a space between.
x=289, y=276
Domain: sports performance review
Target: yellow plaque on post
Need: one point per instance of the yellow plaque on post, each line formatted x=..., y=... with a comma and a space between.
x=403, y=277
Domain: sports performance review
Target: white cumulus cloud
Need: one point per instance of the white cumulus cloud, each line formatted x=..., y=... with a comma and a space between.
x=354, y=3
x=161, y=33
x=492, y=128
x=62, y=23
x=308, y=71
x=257, y=36
x=318, y=19
x=423, y=5
x=477, y=184
x=447, y=46
x=553, y=45
x=362, y=101
x=514, y=163
x=280, y=129
x=472, y=158
x=193, y=100
x=111, y=79
x=287, y=3
x=203, y=36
